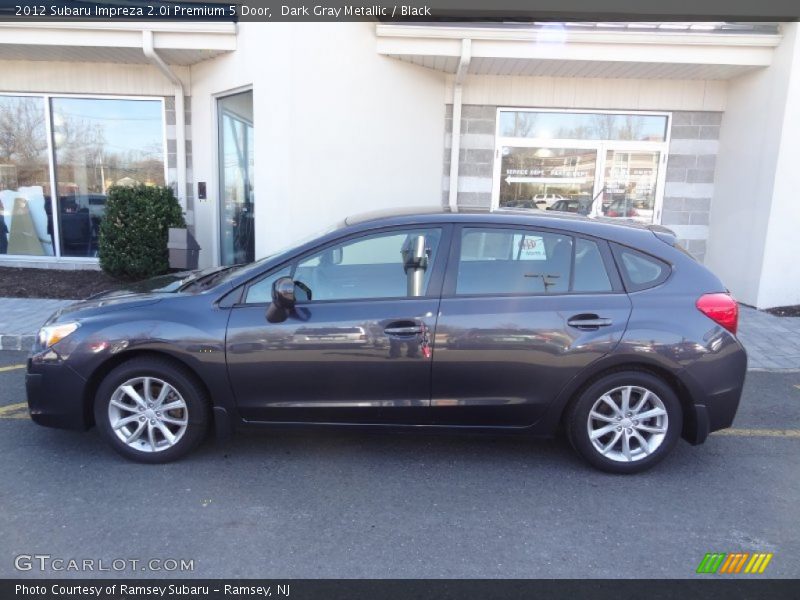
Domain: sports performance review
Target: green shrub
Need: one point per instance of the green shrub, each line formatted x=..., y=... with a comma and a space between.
x=133, y=234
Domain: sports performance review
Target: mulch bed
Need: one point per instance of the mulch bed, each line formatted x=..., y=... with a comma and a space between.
x=51, y=283
x=785, y=311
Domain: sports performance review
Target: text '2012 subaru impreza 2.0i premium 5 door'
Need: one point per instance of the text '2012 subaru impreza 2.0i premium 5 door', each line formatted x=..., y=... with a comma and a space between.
x=498, y=321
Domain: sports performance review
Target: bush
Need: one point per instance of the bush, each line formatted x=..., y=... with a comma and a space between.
x=133, y=234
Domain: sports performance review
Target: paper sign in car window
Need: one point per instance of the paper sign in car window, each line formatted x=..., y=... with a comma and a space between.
x=531, y=247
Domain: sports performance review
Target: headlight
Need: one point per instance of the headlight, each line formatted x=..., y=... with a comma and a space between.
x=50, y=335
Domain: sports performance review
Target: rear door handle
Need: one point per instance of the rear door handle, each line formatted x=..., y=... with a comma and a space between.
x=588, y=322
x=403, y=330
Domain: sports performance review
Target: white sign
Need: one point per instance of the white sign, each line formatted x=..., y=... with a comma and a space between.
x=530, y=247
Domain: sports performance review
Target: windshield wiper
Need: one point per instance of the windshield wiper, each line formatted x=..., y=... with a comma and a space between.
x=206, y=281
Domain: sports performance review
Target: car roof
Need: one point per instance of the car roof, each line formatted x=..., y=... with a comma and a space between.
x=608, y=228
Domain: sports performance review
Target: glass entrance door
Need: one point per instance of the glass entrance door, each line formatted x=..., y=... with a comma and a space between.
x=237, y=231
x=630, y=181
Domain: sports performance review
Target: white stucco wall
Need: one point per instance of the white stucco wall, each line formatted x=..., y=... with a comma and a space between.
x=593, y=92
x=339, y=129
x=780, y=275
x=754, y=211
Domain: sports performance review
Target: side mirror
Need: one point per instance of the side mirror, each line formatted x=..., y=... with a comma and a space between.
x=283, y=300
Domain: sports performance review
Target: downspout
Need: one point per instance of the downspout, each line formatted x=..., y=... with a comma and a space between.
x=180, y=114
x=455, y=138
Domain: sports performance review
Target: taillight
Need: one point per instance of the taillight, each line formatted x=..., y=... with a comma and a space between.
x=720, y=308
x=612, y=213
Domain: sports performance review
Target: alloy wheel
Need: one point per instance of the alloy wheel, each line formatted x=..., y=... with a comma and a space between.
x=627, y=423
x=148, y=414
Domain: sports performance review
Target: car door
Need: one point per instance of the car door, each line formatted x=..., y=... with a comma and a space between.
x=523, y=311
x=359, y=350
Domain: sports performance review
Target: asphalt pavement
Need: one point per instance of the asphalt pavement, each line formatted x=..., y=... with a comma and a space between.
x=297, y=504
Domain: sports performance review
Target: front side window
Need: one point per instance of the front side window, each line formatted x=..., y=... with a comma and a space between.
x=393, y=264
x=513, y=261
x=26, y=218
x=261, y=291
x=100, y=143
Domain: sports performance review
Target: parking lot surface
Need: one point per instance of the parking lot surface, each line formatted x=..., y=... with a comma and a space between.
x=297, y=504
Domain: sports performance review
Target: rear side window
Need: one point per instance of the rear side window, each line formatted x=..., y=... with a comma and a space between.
x=640, y=271
x=590, y=271
x=513, y=261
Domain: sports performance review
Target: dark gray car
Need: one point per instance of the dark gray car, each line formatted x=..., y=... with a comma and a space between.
x=522, y=322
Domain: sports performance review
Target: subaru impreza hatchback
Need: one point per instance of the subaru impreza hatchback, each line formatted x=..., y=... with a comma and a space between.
x=506, y=321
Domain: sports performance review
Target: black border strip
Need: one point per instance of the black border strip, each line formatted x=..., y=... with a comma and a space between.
x=707, y=587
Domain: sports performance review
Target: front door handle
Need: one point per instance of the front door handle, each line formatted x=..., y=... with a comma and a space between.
x=588, y=322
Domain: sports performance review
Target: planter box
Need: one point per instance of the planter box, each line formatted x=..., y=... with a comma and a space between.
x=184, y=251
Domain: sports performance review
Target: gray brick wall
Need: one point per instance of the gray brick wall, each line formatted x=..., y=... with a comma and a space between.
x=172, y=156
x=689, y=183
x=476, y=155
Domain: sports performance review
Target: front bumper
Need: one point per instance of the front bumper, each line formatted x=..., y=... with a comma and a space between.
x=56, y=395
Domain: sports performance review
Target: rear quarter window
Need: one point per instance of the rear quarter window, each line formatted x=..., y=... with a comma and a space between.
x=640, y=271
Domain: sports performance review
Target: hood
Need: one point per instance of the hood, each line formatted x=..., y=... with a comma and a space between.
x=133, y=295
x=97, y=306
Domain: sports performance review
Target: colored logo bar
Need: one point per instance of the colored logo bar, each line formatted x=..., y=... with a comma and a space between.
x=733, y=563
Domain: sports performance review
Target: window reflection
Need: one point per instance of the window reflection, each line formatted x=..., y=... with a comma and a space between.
x=236, y=183
x=583, y=126
x=26, y=225
x=629, y=185
x=544, y=177
x=99, y=143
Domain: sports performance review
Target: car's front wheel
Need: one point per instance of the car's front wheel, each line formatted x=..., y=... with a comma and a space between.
x=151, y=410
x=625, y=422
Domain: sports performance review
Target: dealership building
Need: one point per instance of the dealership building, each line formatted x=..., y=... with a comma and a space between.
x=270, y=133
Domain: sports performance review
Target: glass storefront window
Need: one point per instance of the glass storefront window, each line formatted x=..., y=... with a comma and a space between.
x=582, y=126
x=26, y=222
x=545, y=177
x=237, y=233
x=99, y=143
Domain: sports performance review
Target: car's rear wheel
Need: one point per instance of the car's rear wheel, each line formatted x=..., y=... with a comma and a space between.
x=625, y=422
x=151, y=410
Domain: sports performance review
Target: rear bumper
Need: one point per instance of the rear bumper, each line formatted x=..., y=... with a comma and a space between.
x=715, y=388
x=55, y=395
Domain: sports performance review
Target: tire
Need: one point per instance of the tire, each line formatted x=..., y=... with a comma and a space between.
x=649, y=440
x=122, y=400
